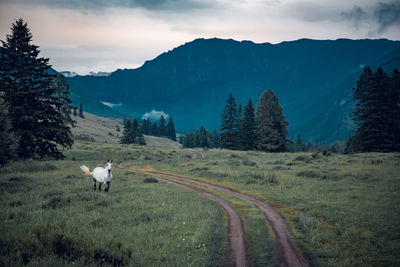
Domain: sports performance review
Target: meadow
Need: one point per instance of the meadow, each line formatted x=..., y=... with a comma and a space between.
x=343, y=210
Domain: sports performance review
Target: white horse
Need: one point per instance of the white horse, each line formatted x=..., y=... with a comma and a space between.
x=100, y=174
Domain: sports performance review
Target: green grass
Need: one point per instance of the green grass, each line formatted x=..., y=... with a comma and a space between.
x=344, y=210
x=51, y=216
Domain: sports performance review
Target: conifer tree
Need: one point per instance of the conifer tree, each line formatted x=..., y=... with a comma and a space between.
x=170, y=129
x=81, y=111
x=155, y=131
x=375, y=113
x=248, y=128
x=230, y=125
x=138, y=134
x=215, y=140
x=128, y=136
x=38, y=119
x=271, y=124
x=75, y=113
x=162, y=127
x=146, y=126
x=7, y=141
x=204, y=137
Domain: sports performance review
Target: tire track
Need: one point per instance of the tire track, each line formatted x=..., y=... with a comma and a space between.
x=237, y=255
x=288, y=253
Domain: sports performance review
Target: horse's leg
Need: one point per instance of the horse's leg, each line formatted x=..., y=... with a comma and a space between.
x=99, y=186
x=94, y=180
x=107, y=186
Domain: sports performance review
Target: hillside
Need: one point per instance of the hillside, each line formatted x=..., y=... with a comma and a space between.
x=103, y=129
x=192, y=82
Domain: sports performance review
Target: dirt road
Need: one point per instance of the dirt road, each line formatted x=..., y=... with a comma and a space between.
x=237, y=255
x=288, y=254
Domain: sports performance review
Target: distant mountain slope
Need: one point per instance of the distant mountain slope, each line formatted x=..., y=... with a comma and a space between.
x=192, y=81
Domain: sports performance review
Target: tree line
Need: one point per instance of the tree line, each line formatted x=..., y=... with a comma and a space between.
x=134, y=130
x=34, y=104
x=263, y=129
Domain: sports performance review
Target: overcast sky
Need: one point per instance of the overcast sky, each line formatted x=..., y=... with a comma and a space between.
x=104, y=35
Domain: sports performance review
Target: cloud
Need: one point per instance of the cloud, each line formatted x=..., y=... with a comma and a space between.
x=111, y=105
x=378, y=17
x=387, y=14
x=88, y=5
x=356, y=14
x=154, y=115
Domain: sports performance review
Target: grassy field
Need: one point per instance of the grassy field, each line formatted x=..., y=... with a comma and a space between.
x=344, y=210
x=50, y=216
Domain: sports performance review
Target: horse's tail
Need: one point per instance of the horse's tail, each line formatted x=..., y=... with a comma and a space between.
x=86, y=170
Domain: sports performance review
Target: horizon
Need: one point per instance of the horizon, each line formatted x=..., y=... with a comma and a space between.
x=98, y=36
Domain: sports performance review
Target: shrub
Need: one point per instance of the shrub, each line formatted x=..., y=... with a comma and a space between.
x=150, y=180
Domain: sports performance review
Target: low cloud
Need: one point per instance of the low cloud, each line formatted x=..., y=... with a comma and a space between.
x=111, y=105
x=154, y=115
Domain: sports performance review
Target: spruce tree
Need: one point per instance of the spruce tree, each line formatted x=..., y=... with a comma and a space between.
x=215, y=139
x=170, y=129
x=375, y=113
x=248, y=128
x=75, y=113
x=146, y=126
x=271, y=123
x=230, y=125
x=38, y=119
x=128, y=136
x=155, y=131
x=138, y=134
x=162, y=127
x=204, y=137
x=7, y=141
x=81, y=111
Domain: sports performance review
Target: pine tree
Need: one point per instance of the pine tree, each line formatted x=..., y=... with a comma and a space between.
x=138, y=134
x=128, y=136
x=215, y=140
x=75, y=112
x=248, y=128
x=170, y=129
x=81, y=111
x=155, y=131
x=204, y=136
x=146, y=126
x=375, y=113
x=162, y=127
x=271, y=124
x=7, y=141
x=230, y=125
x=38, y=118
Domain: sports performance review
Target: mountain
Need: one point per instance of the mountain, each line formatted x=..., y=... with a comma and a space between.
x=312, y=78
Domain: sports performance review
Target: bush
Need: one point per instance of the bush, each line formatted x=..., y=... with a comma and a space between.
x=150, y=180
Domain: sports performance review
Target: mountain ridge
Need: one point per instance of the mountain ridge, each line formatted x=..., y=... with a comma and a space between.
x=192, y=81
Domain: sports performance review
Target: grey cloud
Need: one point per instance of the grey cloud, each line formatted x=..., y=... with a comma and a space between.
x=378, y=17
x=88, y=5
x=387, y=14
x=356, y=14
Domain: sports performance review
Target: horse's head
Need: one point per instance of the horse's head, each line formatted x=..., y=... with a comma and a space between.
x=109, y=166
